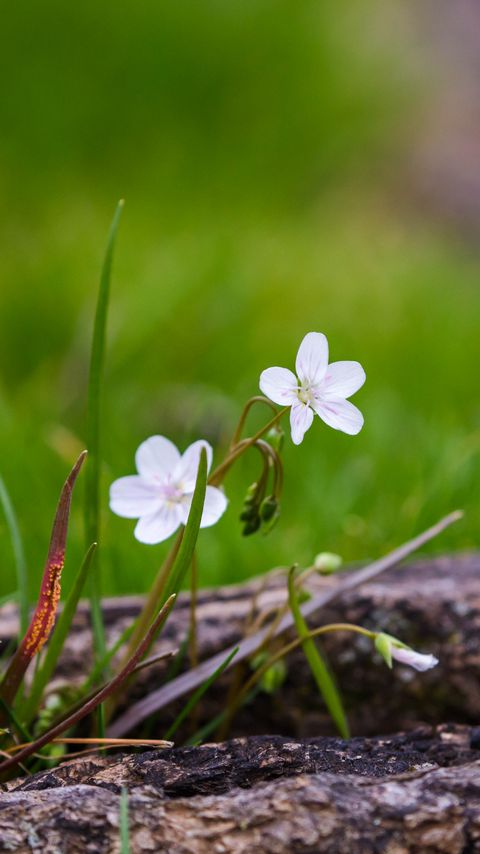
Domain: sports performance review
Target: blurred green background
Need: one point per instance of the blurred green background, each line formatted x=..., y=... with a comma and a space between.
x=263, y=149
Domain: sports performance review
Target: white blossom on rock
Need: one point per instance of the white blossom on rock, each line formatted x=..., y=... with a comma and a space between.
x=160, y=495
x=390, y=648
x=418, y=660
x=318, y=387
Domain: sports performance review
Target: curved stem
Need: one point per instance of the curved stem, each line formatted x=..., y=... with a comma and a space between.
x=246, y=409
x=219, y=473
x=285, y=650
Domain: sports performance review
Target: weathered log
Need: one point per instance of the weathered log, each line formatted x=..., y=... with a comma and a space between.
x=417, y=792
x=433, y=604
x=412, y=793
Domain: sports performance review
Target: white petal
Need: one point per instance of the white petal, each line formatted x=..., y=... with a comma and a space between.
x=132, y=497
x=340, y=414
x=342, y=379
x=187, y=468
x=301, y=417
x=279, y=384
x=312, y=358
x=414, y=659
x=159, y=526
x=214, y=507
x=156, y=458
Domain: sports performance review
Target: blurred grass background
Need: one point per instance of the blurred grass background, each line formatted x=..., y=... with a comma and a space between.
x=263, y=151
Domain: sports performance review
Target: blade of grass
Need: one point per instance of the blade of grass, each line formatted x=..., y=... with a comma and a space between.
x=14, y=720
x=190, y=534
x=92, y=487
x=19, y=555
x=194, y=699
x=43, y=617
x=99, y=697
x=101, y=665
x=57, y=640
x=183, y=559
x=123, y=822
x=318, y=666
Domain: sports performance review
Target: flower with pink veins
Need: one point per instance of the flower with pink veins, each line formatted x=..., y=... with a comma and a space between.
x=318, y=387
x=160, y=495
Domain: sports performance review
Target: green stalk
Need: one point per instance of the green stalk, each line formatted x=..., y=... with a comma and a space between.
x=58, y=637
x=92, y=488
x=123, y=822
x=320, y=672
x=198, y=694
x=19, y=555
x=190, y=534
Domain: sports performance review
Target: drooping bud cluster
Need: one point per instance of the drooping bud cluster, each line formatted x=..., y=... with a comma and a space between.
x=261, y=508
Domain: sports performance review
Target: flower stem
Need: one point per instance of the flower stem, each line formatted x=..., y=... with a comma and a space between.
x=285, y=650
x=243, y=417
x=219, y=473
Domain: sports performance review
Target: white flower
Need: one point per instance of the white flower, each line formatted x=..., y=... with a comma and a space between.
x=160, y=495
x=390, y=648
x=417, y=660
x=318, y=387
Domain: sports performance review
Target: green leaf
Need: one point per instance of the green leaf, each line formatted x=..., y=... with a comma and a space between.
x=19, y=555
x=198, y=694
x=190, y=534
x=59, y=635
x=319, y=669
x=92, y=488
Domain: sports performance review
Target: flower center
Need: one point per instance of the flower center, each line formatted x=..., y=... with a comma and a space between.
x=306, y=393
x=172, y=492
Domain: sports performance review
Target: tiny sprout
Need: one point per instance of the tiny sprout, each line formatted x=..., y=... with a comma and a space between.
x=273, y=678
x=390, y=648
x=326, y=563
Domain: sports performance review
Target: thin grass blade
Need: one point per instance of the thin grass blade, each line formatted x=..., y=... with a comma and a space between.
x=92, y=487
x=19, y=555
x=190, y=534
x=196, y=697
x=124, y=823
x=318, y=666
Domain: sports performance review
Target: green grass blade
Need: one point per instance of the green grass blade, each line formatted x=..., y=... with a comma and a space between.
x=19, y=555
x=92, y=489
x=190, y=534
x=102, y=665
x=319, y=669
x=15, y=721
x=58, y=637
x=198, y=694
x=123, y=823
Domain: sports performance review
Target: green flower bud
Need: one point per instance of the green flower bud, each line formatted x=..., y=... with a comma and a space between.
x=251, y=526
x=274, y=677
x=383, y=645
x=326, y=563
x=268, y=508
x=249, y=513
